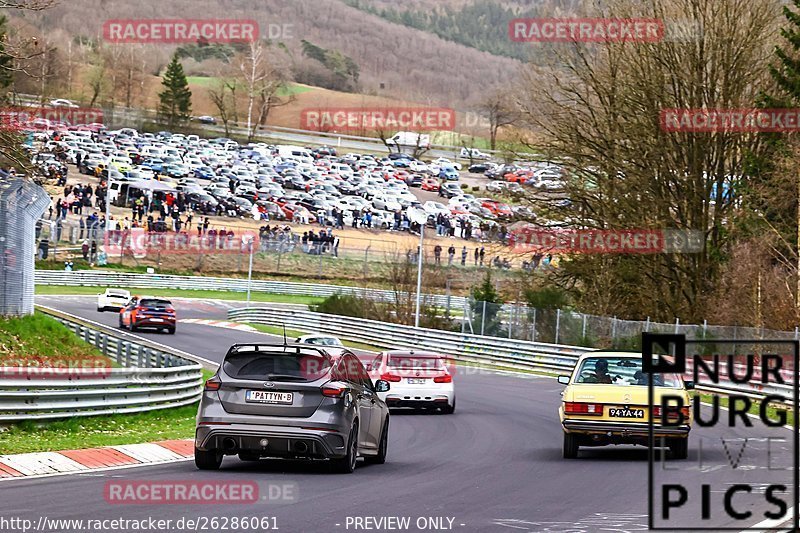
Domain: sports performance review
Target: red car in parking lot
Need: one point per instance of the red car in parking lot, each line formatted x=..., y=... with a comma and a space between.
x=497, y=208
x=430, y=184
x=148, y=312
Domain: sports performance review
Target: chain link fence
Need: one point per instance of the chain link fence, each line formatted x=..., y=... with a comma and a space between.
x=518, y=321
x=22, y=202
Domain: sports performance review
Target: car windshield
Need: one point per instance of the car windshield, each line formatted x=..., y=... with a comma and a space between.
x=324, y=341
x=416, y=362
x=155, y=304
x=286, y=366
x=622, y=371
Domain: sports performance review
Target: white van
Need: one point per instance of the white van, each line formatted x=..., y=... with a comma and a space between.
x=409, y=138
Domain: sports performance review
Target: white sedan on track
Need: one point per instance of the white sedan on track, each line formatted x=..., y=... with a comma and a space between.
x=320, y=340
x=419, y=379
x=113, y=300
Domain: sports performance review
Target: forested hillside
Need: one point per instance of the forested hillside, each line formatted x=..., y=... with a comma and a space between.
x=390, y=59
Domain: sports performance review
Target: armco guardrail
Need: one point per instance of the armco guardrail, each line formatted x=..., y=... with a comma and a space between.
x=486, y=351
x=491, y=351
x=149, y=378
x=95, y=278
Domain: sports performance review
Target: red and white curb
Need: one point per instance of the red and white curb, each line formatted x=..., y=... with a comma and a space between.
x=73, y=461
x=218, y=324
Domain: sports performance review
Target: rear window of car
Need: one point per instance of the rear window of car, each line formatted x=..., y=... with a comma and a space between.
x=155, y=304
x=112, y=292
x=277, y=366
x=623, y=371
x=414, y=362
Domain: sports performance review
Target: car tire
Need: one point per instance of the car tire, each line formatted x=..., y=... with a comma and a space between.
x=570, y=449
x=383, y=447
x=208, y=460
x=679, y=448
x=449, y=409
x=347, y=464
x=171, y=331
x=101, y=309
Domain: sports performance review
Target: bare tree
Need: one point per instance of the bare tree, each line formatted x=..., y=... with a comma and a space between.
x=263, y=78
x=500, y=111
x=599, y=107
x=223, y=96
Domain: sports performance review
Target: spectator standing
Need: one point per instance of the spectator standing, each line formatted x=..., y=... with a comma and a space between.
x=437, y=254
x=451, y=253
x=464, y=256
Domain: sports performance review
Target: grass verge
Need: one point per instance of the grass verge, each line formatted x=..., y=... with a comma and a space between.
x=40, y=339
x=96, y=431
x=184, y=293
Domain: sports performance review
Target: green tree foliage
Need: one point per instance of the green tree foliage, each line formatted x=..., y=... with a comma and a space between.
x=343, y=71
x=202, y=51
x=485, y=317
x=477, y=24
x=175, y=101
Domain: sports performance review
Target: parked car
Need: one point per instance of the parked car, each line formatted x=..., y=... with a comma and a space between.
x=480, y=168
x=299, y=401
x=606, y=402
x=448, y=173
x=448, y=190
x=473, y=153
x=430, y=184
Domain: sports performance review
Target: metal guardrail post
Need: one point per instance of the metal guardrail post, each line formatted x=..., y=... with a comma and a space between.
x=558, y=324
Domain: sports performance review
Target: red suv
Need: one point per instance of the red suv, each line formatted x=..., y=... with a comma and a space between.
x=148, y=312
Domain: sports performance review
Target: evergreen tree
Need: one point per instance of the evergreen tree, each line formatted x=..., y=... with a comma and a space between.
x=485, y=315
x=175, y=101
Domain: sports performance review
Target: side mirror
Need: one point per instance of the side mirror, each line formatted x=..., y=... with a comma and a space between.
x=382, y=386
x=689, y=385
x=368, y=367
x=564, y=380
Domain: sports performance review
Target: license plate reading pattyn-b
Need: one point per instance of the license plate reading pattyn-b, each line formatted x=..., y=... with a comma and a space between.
x=259, y=396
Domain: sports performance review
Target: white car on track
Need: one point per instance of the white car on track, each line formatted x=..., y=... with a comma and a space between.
x=418, y=379
x=320, y=340
x=113, y=300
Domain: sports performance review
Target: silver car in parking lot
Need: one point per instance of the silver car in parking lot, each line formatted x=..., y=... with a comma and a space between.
x=299, y=401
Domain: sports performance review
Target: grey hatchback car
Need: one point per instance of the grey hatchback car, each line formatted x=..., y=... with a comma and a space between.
x=299, y=402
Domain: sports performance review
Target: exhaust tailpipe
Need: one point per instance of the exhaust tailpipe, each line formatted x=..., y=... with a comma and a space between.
x=300, y=446
x=229, y=445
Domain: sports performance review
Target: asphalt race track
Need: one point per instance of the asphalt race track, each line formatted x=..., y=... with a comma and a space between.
x=495, y=465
